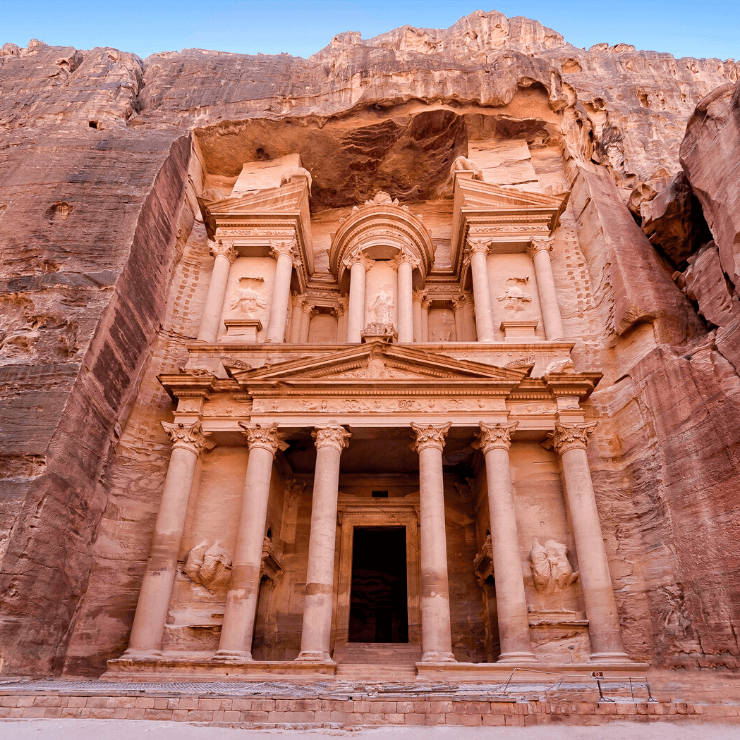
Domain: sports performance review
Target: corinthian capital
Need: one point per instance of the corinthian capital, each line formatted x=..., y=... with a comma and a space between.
x=405, y=255
x=430, y=435
x=268, y=438
x=495, y=436
x=540, y=244
x=224, y=248
x=336, y=437
x=478, y=245
x=278, y=249
x=186, y=436
x=358, y=258
x=570, y=436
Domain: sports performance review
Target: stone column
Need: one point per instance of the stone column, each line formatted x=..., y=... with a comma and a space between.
x=295, y=319
x=481, y=290
x=539, y=250
x=241, y=600
x=459, y=302
x=569, y=441
x=283, y=253
x=358, y=264
x=307, y=311
x=317, y=607
x=436, y=631
x=425, y=319
x=225, y=255
x=341, y=322
x=418, y=298
x=188, y=440
x=405, y=262
x=511, y=603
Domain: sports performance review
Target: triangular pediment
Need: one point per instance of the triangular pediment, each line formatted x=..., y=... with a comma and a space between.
x=380, y=362
x=290, y=197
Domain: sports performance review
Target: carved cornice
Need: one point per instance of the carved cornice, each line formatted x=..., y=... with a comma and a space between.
x=224, y=248
x=186, y=436
x=268, y=438
x=495, y=436
x=540, y=244
x=570, y=436
x=430, y=435
x=336, y=437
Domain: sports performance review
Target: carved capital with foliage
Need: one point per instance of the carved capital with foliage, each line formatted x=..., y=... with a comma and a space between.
x=268, y=438
x=224, y=248
x=336, y=437
x=358, y=258
x=286, y=248
x=430, y=435
x=495, y=436
x=405, y=255
x=540, y=244
x=478, y=246
x=570, y=436
x=186, y=436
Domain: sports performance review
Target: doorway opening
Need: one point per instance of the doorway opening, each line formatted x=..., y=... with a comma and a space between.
x=378, y=609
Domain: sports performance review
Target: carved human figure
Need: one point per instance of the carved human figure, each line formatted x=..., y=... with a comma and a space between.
x=209, y=565
x=514, y=299
x=382, y=308
x=247, y=302
x=550, y=566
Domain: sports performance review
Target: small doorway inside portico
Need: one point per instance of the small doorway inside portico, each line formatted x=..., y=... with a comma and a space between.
x=378, y=599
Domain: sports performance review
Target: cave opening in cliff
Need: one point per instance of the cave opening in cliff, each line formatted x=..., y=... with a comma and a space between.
x=378, y=603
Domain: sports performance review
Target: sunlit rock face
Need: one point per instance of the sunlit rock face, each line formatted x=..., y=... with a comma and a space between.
x=118, y=172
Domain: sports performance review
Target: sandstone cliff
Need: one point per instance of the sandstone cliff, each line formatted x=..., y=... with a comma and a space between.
x=102, y=157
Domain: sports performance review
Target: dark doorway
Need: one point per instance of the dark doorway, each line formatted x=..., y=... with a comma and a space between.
x=378, y=609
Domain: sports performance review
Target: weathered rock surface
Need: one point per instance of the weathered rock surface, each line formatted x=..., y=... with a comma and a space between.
x=101, y=159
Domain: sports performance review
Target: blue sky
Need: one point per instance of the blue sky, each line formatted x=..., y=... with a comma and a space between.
x=707, y=28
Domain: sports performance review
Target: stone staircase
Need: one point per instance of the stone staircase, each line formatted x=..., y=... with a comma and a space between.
x=386, y=662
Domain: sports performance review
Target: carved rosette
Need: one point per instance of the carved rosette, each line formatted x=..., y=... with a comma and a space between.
x=336, y=437
x=430, y=435
x=478, y=246
x=358, y=258
x=224, y=248
x=268, y=438
x=495, y=436
x=540, y=244
x=570, y=436
x=187, y=436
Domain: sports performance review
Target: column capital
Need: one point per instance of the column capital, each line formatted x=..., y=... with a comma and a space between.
x=430, y=435
x=358, y=258
x=478, y=245
x=336, y=437
x=405, y=255
x=459, y=301
x=298, y=299
x=495, y=436
x=224, y=248
x=308, y=308
x=267, y=438
x=187, y=436
x=540, y=244
x=570, y=436
x=419, y=295
x=287, y=248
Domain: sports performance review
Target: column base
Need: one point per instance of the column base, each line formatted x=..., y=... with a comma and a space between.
x=438, y=657
x=609, y=658
x=232, y=656
x=522, y=657
x=314, y=656
x=135, y=654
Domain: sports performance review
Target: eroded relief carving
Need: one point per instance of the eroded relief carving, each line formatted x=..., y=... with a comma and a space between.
x=247, y=302
x=514, y=298
x=551, y=569
x=209, y=566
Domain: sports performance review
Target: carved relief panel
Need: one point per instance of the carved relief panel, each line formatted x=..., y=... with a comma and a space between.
x=248, y=295
x=381, y=287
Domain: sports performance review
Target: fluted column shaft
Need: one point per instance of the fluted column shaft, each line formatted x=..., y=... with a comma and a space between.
x=156, y=588
x=356, y=318
x=241, y=600
x=569, y=441
x=482, y=292
x=317, y=606
x=540, y=253
x=280, y=292
x=511, y=603
x=224, y=254
x=436, y=629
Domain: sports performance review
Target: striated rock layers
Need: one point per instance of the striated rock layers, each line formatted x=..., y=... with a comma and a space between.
x=102, y=159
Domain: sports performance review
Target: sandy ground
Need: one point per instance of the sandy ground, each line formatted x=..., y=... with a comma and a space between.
x=114, y=729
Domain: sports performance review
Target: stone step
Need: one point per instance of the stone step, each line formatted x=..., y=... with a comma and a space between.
x=387, y=654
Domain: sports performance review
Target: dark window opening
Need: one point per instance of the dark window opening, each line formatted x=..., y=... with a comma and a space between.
x=378, y=605
x=380, y=494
